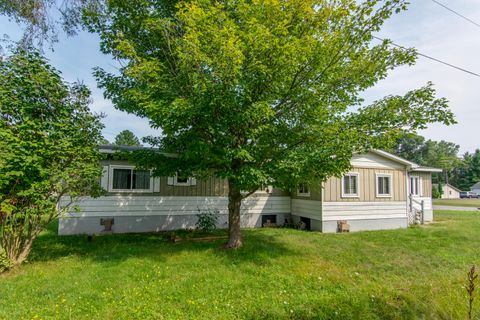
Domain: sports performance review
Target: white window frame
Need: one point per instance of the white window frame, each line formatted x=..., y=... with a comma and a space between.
x=419, y=188
x=390, y=182
x=182, y=184
x=347, y=195
x=110, y=180
x=301, y=192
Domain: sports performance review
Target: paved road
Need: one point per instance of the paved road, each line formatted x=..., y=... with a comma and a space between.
x=436, y=207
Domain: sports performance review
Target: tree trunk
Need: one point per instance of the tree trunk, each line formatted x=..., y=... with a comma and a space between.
x=234, y=203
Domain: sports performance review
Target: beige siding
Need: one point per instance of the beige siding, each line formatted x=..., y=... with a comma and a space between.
x=203, y=188
x=367, y=186
x=426, y=183
x=315, y=194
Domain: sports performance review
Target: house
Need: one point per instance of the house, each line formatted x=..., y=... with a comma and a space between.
x=381, y=191
x=476, y=188
x=450, y=192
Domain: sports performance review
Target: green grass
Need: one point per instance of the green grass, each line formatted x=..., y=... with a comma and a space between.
x=415, y=273
x=458, y=202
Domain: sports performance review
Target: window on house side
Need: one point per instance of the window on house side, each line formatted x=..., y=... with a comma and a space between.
x=350, y=185
x=182, y=179
x=303, y=190
x=384, y=185
x=415, y=186
x=130, y=179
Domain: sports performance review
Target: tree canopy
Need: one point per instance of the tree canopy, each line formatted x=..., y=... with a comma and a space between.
x=49, y=148
x=258, y=92
x=467, y=172
x=127, y=138
x=42, y=18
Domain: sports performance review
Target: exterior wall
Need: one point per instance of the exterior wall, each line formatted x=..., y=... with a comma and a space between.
x=308, y=209
x=170, y=207
x=134, y=213
x=367, y=211
x=365, y=215
x=367, y=186
x=367, y=225
x=203, y=188
x=426, y=183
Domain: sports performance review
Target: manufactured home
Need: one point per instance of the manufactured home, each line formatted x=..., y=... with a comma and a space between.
x=381, y=191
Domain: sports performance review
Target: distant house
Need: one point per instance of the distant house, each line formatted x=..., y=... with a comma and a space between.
x=381, y=191
x=476, y=188
x=450, y=192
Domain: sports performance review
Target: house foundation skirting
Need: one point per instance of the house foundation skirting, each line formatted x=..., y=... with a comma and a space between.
x=151, y=223
x=367, y=224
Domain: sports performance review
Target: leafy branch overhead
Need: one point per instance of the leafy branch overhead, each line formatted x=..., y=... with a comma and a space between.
x=259, y=92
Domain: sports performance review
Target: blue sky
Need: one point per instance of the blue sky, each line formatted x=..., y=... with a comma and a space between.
x=426, y=26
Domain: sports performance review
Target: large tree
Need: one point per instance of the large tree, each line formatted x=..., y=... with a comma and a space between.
x=127, y=138
x=258, y=91
x=49, y=148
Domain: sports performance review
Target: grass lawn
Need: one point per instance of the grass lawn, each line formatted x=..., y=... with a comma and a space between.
x=278, y=274
x=458, y=202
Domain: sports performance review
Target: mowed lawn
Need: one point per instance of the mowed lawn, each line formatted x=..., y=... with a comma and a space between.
x=457, y=202
x=416, y=273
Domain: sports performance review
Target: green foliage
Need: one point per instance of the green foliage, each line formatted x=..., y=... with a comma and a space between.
x=48, y=143
x=430, y=153
x=279, y=273
x=127, y=138
x=258, y=92
x=207, y=220
x=436, y=193
x=468, y=172
x=438, y=154
x=41, y=18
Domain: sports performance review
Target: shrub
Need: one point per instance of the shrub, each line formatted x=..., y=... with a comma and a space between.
x=49, y=149
x=207, y=220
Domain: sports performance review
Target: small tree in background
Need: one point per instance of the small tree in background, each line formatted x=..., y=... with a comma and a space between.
x=49, y=148
x=127, y=138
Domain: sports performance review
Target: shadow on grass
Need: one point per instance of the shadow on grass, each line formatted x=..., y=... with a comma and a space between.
x=259, y=247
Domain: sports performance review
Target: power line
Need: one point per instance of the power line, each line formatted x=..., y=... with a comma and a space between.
x=432, y=58
x=458, y=14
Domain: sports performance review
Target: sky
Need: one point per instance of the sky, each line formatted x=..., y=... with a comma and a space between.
x=426, y=26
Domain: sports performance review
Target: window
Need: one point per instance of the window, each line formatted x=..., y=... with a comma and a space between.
x=181, y=180
x=350, y=185
x=415, y=186
x=384, y=185
x=124, y=178
x=303, y=190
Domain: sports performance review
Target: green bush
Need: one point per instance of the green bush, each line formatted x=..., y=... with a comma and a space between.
x=207, y=220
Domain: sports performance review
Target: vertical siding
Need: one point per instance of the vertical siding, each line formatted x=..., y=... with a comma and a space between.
x=204, y=188
x=426, y=183
x=367, y=186
x=315, y=194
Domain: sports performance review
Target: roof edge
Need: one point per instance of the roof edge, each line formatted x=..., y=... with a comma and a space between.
x=410, y=165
